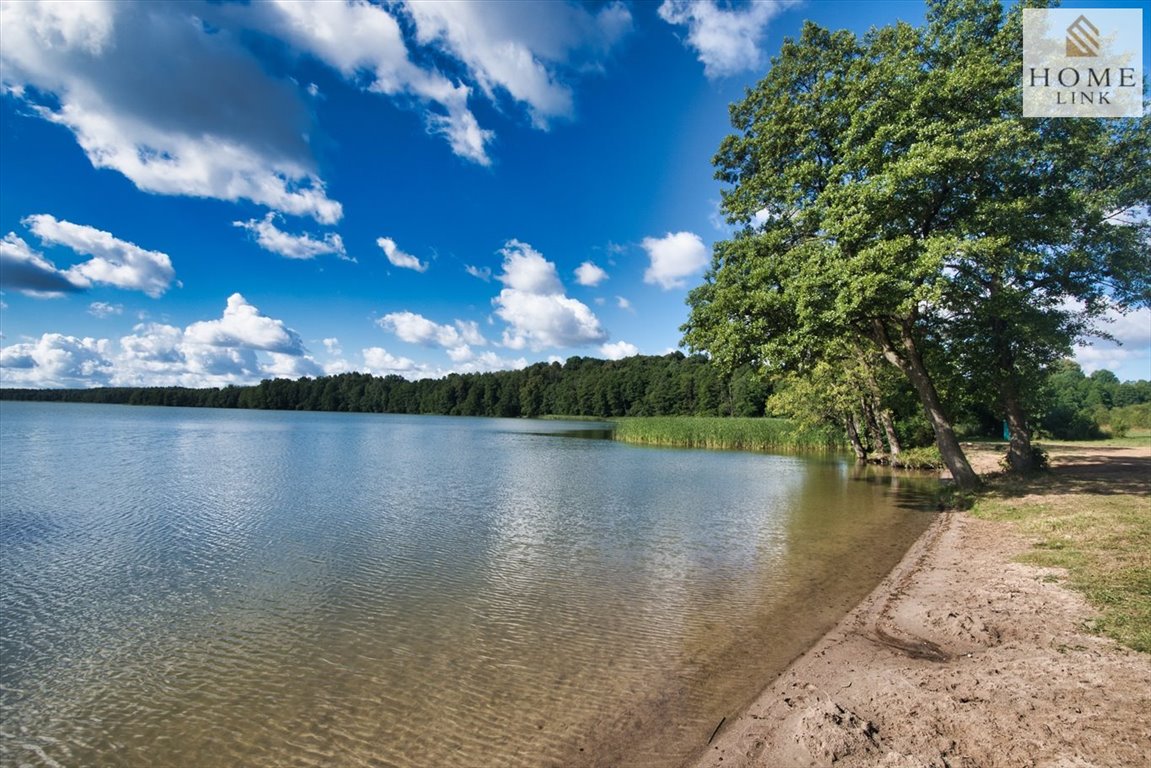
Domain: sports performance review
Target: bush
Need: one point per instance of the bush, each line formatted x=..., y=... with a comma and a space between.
x=1066, y=423
x=919, y=458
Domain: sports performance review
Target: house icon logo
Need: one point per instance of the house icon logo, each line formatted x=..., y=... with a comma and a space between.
x=1082, y=38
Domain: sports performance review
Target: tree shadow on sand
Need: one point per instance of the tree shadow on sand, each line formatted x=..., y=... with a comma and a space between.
x=1102, y=471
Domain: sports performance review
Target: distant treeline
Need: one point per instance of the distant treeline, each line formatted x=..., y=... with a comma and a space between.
x=1074, y=405
x=668, y=385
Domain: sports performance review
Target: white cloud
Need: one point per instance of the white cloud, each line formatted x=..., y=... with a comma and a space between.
x=365, y=44
x=533, y=304
x=482, y=273
x=527, y=271
x=241, y=347
x=380, y=362
x=727, y=41
x=333, y=346
x=417, y=329
x=623, y=303
x=522, y=48
x=282, y=366
x=617, y=350
x=589, y=274
x=1129, y=355
x=398, y=258
x=242, y=325
x=25, y=270
x=272, y=238
x=201, y=118
x=102, y=309
x=114, y=261
x=205, y=117
x=673, y=258
x=56, y=360
x=490, y=361
x=336, y=367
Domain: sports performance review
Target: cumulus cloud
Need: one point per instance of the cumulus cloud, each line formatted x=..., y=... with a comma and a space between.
x=522, y=49
x=243, y=346
x=282, y=366
x=617, y=350
x=726, y=40
x=673, y=257
x=304, y=246
x=489, y=361
x=417, y=329
x=114, y=261
x=398, y=258
x=1129, y=349
x=534, y=305
x=202, y=118
x=380, y=362
x=23, y=269
x=56, y=360
x=623, y=303
x=242, y=325
x=365, y=43
x=457, y=339
x=206, y=118
x=590, y=274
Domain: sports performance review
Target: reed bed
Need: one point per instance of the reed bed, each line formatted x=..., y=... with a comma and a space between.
x=728, y=433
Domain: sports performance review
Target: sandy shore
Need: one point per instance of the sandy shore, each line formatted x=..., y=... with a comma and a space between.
x=961, y=657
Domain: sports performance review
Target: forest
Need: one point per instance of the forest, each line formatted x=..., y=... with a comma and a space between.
x=1075, y=405
x=669, y=385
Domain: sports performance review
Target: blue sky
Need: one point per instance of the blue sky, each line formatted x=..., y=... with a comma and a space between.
x=209, y=193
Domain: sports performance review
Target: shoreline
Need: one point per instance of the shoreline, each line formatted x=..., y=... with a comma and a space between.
x=960, y=657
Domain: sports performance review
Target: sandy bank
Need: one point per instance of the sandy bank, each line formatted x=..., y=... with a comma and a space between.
x=961, y=657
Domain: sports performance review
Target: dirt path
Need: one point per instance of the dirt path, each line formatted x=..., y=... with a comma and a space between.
x=962, y=657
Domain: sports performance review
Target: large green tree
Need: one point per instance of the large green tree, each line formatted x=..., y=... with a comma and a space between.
x=890, y=193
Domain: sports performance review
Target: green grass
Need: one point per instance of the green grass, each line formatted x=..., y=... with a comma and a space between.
x=744, y=434
x=1101, y=537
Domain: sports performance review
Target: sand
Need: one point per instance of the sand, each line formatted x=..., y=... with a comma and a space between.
x=961, y=657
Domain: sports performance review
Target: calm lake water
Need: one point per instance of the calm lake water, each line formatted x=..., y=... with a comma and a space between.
x=238, y=588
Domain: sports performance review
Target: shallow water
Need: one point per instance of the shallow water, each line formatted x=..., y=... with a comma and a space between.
x=221, y=588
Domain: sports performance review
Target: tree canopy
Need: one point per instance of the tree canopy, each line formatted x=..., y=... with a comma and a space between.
x=891, y=198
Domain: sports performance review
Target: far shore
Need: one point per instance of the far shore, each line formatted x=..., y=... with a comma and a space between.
x=964, y=656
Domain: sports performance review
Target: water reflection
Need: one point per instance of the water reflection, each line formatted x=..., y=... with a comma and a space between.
x=200, y=588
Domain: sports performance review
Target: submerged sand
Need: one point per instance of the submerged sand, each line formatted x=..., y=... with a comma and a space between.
x=961, y=657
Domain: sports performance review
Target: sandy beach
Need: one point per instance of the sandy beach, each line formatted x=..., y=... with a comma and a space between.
x=963, y=657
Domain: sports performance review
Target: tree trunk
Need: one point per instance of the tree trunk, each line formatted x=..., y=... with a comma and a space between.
x=1020, y=455
x=893, y=445
x=881, y=413
x=909, y=360
x=871, y=421
x=853, y=437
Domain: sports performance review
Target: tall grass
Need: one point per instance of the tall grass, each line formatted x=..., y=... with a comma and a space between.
x=729, y=433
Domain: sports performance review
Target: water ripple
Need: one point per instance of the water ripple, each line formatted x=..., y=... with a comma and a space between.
x=202, y=588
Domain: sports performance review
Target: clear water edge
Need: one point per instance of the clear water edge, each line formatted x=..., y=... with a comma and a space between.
x=206, y=588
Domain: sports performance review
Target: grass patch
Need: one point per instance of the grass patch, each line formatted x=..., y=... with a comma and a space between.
x=919, y=458
x=743, y=434
x=1102, y=539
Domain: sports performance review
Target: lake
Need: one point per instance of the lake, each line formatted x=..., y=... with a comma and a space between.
x=243, y=588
